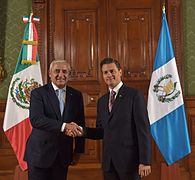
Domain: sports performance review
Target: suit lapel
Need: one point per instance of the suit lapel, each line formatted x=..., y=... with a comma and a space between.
x=106, y=101
x=120, y=96
x=103, y=108
x=54, y=100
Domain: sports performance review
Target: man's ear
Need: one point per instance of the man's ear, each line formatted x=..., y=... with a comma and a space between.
x=121, y=72
x=49, y=73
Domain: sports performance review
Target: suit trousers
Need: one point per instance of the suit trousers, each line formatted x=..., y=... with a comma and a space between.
x=54, y=172
x=113, y=174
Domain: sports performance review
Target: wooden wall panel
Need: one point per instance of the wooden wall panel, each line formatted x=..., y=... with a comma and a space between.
x=189, y=162
x=133, y=38
x=92, y=147
x=134, y=43
x=90, y=161
x=7, y=157
x=81, y=44
x=86, y=19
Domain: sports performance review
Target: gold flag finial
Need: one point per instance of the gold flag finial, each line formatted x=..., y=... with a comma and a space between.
x=31, y=10
x=163, y=7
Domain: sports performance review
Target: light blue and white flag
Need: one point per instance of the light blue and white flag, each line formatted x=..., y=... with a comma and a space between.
x=165, y=102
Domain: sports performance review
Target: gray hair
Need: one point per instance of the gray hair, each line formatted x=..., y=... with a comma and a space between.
x=61, y=61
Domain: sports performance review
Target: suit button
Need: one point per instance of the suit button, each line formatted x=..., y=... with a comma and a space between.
x=45, y=142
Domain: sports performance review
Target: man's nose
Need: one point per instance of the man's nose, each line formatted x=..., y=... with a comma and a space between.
x=109, y=74
x=61, y=73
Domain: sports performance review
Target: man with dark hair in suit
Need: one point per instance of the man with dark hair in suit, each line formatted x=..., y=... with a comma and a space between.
x=122, y=122
x=49, y=151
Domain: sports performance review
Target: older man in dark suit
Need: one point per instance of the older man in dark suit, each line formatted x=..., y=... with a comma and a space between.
x=49, y=151
x=122, y=123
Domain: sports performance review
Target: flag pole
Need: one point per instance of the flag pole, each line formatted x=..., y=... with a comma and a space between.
x=168, y=127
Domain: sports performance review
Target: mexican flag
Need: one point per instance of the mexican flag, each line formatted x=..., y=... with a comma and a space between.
x=27, y=76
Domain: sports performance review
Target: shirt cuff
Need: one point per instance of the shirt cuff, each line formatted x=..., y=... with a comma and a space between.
x=63, y=127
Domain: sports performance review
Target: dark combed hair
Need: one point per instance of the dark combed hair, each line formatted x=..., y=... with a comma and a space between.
x=109, y=60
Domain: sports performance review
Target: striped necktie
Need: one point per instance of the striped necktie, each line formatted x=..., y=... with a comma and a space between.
x=111, y=100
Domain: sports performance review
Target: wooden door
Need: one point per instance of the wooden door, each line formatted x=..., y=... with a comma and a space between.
x=80, y=37
x=134, y=28
x=86, y=31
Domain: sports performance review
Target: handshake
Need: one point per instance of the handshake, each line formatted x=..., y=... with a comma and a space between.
x=73, y=130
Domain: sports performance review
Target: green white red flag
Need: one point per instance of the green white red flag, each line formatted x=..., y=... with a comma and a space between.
x=27, y=76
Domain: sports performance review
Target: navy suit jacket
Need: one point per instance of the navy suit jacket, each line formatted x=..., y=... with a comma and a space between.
x=125, y=131
x=46, y=139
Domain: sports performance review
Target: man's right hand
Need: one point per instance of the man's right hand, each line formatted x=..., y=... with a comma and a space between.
x=72, y=129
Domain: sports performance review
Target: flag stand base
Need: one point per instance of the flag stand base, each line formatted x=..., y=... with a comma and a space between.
x=19, y=174
x=170, y=172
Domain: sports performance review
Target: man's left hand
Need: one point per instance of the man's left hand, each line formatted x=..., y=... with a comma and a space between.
x=144, y=170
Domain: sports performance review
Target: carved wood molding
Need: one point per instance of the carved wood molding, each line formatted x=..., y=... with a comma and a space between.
x=51, y=30
x=174, y=17
x=38, y=10
x=190, y=102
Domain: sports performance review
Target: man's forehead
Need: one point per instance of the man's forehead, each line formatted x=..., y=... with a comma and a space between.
x=60, y=66
x=107, y=67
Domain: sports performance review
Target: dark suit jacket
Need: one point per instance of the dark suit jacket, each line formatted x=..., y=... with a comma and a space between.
x=125, y=131
x=46, y=139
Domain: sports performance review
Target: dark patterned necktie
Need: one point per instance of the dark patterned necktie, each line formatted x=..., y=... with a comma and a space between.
x=111, y=100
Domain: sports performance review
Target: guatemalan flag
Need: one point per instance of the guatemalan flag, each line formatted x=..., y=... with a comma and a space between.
x=27, y=76
x=165, y=102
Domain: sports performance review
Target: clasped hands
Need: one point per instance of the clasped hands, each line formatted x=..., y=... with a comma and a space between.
x=73, y=130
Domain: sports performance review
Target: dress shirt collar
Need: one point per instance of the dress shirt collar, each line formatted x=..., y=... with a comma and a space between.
x=56, y=88
x=116, y=88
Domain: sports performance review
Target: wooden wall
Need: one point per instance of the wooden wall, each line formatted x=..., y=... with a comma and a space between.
x=90, y=165
x=86, y=31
